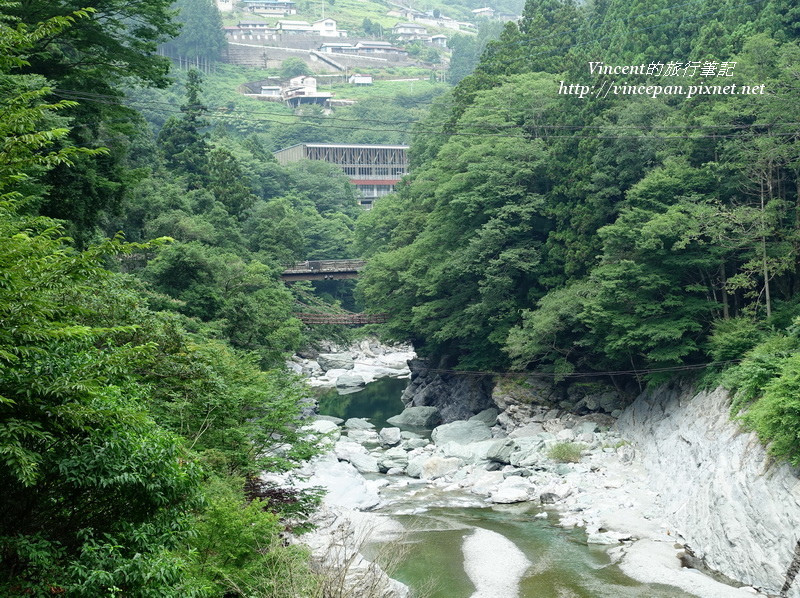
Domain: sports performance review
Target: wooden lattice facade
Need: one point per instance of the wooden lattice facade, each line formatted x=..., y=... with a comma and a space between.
x=374, y=169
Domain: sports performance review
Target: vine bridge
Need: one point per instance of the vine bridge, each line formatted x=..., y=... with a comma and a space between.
x=346, y=318
x=322, y=270
x=320, y=312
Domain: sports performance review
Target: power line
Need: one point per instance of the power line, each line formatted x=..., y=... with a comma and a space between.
x=630, y=372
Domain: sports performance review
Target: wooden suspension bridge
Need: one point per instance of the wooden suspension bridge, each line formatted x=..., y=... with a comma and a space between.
x=347, y=318
x=322, y=270
x=320, y=313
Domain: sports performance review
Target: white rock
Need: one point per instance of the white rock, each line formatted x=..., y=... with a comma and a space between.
x=368, y=437
x=345, y=486
x=565, y=435
x=350, y=380
x=733, y=504
x=438, y=467
x=531, y=429
x=344, y=449
x=474, y=452
x=511, y=490
x=358, y=423
x=390, y=436
x=364, y=463
x=461, y=432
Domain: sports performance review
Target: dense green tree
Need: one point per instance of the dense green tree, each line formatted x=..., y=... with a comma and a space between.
x=108, y=409
x=96, y=495
x=182, y=139
x=475, y=253
x=228, y=183
x=639, y=221
x=114, y=43
x=201, y=39
x=294, y=67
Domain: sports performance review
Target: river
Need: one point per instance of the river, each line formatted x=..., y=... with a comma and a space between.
x=455, y=544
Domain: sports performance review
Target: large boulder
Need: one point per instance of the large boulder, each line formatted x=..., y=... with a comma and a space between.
x=365, y=437
x=417, y=417
x=350, y=380
x=438, y=467
x=471, y=453
x=390, y=436
x=335, y=361
x=487, y=416
x=531, y=429
x=394, y=458
x=345, y=486
x=461, y=432
x=345, y=449
x=358, y=423
x=364, y=463
x=512, y=490
x=500, y=450
x=529, y=450
x=415, y=465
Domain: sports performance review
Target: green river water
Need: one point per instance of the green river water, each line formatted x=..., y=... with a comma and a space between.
x=563, y=564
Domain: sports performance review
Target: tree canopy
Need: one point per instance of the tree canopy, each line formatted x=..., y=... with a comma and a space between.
x=544, y=230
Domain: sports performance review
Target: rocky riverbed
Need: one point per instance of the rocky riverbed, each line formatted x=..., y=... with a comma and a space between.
x=594, y=471
x=607, y=492
x=350, y=368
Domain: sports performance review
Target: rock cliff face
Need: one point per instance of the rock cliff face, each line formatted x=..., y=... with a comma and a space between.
x=456, y=396
x=734, y=506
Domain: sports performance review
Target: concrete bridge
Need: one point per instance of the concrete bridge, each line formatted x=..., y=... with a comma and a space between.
x=322, y=270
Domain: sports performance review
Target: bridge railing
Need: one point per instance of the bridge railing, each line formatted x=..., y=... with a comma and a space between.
x=319, y=318
x=310, y=266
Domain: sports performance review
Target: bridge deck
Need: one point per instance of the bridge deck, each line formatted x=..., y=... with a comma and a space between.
x=322, y=269
x=317, y=318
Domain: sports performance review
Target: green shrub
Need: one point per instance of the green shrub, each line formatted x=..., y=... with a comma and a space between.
x=775, y=417
x=565, y=452
x=732, y=338
x=762, y=364
x=238, y=549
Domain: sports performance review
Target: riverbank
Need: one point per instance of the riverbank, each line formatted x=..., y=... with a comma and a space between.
x=608, y=493
x=352, y=367
x=515, y=456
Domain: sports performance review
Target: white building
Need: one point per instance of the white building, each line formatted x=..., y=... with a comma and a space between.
x=270, y=7
x=484, y=12
x=327, y=28
x=303, y=90
x=334, y=47
x=409, y=31
x=356, y=79
x=295, y=27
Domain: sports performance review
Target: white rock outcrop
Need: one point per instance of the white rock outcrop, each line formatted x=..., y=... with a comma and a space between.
x=734, y=506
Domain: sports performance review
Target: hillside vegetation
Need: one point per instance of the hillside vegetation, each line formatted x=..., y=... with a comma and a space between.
x=643, y=233
x=142, y=385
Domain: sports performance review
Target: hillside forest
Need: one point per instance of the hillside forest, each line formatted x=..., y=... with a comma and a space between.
x=620, y=234
x=144, y=228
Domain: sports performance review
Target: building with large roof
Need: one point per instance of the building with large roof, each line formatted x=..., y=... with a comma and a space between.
x=374, y=169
